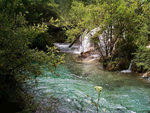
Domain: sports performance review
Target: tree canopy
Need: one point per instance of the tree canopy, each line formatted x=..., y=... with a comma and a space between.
x=29, y=27
x=18, y=61
x=123, y=24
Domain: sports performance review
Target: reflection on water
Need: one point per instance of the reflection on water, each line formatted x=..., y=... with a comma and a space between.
x=122, y=93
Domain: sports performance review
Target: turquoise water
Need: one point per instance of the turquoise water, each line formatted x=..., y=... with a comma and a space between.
x=121, y=93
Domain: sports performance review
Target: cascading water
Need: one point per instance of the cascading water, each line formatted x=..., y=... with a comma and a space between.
x=130, y=65
x=63, y=47
x=129, y=69
x=101, y=44
x=86, y=44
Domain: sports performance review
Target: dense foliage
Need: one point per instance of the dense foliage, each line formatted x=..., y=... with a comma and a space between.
x=124, y=28
x=18, y=62
x=27, y=26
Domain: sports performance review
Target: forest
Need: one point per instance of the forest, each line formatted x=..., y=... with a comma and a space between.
x=29, y=29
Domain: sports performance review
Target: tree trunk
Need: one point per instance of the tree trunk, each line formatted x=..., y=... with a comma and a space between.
x=111, y=41
x=74, y=41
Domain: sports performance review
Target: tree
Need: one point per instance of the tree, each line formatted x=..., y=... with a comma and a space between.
x=18, y=61
x=142, y=54
x=121, y=24
x=40, y=11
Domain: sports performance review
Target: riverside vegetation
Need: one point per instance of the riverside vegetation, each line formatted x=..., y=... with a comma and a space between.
x=29, y=28
x=98, y=89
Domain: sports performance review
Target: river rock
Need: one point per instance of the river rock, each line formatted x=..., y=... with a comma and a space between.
x=88, y=56
x=146, y=75
x=111, y=67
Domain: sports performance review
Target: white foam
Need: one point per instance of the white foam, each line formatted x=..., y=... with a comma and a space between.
x=64, y=47
x=126, y=71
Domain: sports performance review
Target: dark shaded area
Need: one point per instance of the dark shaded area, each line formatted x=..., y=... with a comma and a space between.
x=124, y=50
x=10, y=95
x=121, y=57
x=54, y=34
x=10, y=107
x=39, y=12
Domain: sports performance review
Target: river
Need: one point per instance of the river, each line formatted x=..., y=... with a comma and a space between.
x=121, y=93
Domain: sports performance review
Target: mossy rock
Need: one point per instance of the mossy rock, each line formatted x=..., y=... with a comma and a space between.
x=111, y=66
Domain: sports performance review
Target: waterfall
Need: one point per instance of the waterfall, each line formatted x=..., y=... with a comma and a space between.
x=102, y=43
x=85, y=39
x=129, y=69
x=63, y=47
x=130, y=65
x=86, y=44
